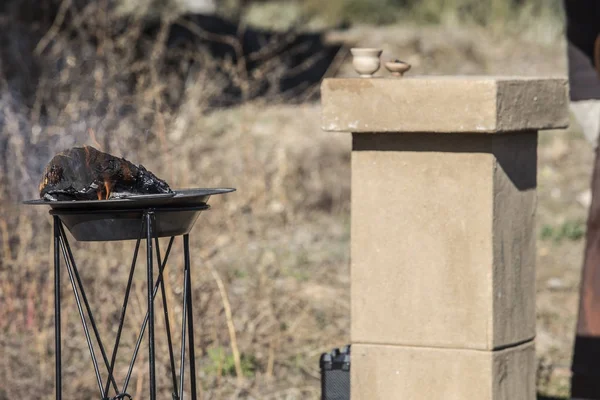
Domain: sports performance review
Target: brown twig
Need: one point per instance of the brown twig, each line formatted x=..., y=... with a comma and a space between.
x=234, y=42
x=54, y=29
x=230, y=326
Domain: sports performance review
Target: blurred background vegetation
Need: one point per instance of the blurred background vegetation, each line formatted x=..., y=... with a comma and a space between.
x=277, y=13
x=484, y=12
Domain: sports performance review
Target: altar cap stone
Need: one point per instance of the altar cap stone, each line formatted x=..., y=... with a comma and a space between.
x=444, y=104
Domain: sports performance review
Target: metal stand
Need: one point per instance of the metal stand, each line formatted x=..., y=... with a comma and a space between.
x=61, y=245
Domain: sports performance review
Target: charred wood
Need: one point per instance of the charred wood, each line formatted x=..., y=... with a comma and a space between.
x=85, y=173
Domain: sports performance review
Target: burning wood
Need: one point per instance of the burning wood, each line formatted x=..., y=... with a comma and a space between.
x=84, y=173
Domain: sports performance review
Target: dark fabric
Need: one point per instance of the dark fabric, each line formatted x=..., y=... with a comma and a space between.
x=583, y=78
x=585, y=387
x=583, y=24
x=583, y=35
x=586, y=356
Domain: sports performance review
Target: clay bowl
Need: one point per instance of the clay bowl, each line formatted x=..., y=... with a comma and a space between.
x=366, y=61
x=397, y=67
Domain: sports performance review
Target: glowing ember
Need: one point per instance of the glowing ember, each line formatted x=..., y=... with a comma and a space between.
x=84, y=173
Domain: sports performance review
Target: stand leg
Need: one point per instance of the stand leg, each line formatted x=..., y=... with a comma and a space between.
x=70, y=260
x=57, y=341
x=146, y=317
x=186, y=288
x=86, y=330
x=151, y=349
x=175, y=393
x=123, y=312
x=186, y=251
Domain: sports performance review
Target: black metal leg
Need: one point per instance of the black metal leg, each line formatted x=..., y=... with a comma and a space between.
x=86, y=303
x=145, y=322
x=86, y=330
x=186, y=252
x=124, y=308
x=57, y=341
x=186, y=286
x=167, y=322
x=151, y=348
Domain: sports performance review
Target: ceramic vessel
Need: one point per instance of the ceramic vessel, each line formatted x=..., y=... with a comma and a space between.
x=366, y=61
x=397, y=67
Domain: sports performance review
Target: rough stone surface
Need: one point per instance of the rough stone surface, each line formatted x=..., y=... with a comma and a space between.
x=442, y=239
x=412, y=373
x=513, y=238
x=444, y=104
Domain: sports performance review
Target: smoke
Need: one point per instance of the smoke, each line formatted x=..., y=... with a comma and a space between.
x=21, y=149
x=27, y=141
x=53, y=99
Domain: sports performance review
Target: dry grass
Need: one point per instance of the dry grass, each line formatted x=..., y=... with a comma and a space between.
x=267, y=288
x=275, y=250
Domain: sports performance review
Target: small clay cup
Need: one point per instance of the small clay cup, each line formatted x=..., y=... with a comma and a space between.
x=366, y=61
x=397, y=67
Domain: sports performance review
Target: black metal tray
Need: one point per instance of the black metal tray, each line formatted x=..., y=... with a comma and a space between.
x=180, y=198
x=126, y=224
x=120, y=219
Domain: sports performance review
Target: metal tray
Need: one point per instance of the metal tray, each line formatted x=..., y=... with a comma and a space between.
x=180, y=198
x=126, y=224
x=121, y=219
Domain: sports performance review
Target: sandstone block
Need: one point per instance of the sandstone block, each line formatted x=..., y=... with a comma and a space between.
x=412, y=373
x=443, y=239
x=444, y=104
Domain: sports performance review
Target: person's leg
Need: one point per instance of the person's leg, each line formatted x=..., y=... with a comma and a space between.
x=584, y=79
x=585, y=381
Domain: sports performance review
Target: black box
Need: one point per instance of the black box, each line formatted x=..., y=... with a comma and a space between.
x=335, y=374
